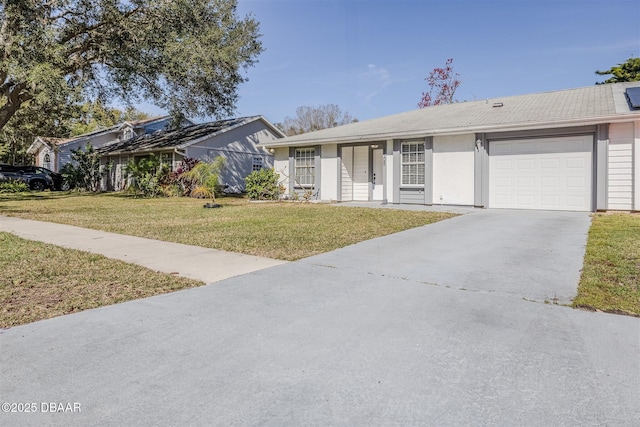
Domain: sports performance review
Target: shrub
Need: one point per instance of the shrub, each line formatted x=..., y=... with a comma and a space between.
x=178, y=181
x=205, y=178
x=13, y=186
x=84, y=172
x=147, y=176
x=263, y=185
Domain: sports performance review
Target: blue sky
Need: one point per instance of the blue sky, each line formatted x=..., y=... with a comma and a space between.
x=371, y=57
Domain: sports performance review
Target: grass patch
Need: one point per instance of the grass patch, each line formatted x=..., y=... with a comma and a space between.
x=610, y=279
x=287, y=231
x=39, y=281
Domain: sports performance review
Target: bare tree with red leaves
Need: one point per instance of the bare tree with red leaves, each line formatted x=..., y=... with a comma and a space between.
x=443, y=83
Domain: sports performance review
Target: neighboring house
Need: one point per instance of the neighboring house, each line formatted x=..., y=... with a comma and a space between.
x=235, y=139
x=54, y=153
x=576, y=149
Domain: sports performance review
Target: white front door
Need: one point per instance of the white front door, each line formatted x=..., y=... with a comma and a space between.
x=361, y=173
x=377, y=186
x=347, y=174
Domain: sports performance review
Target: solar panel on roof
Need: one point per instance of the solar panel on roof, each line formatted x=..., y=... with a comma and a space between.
x=633, y=95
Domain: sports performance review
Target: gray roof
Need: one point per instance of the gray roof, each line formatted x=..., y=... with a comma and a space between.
x=571, y=107
x=179, y=138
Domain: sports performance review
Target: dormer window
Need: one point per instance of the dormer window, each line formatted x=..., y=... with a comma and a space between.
x=128, y=133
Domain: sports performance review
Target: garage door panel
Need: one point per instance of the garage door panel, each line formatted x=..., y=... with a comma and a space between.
x=577, y=163
x=526, y=164
x=549, y=183
x=546, y=173
x=526, y=183
x=549, y=163
x=549, y=201
x=577, y=182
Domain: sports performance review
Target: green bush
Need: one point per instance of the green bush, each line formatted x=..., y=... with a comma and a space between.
x=263, y=185
x=146, y=176
x=13, y=186
x=84, y=171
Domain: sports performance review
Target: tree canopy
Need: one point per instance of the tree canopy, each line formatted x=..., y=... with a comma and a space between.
x=628, y=71
x=185, y=56
x=95, y=115
x=309, y=119
x=442, y=83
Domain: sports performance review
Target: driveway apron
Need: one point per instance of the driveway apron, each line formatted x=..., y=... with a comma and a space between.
x=441, y=325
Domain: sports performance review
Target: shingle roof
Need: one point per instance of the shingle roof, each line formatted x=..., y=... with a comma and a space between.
x=55, y=141
x=174, y=138
x=558, y=108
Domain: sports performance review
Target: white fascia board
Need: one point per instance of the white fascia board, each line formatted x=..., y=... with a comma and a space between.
x=271, y=126
x=457, y=131
x=35, y=145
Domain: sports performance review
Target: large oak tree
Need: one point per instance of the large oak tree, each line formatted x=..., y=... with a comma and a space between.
x=186, y=56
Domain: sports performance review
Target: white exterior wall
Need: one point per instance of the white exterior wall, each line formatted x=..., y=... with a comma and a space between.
x=620, y=162
x=281, y=166
x=636, y=166
x=328, y=172
x=453, y=169
x=52, y=165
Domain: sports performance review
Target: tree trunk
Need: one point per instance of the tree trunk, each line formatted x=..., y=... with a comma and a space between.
x=15, y=95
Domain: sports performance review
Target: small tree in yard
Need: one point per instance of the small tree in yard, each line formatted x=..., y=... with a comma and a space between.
x=206, y=177
x=443, y=83
x=84, y=172
x=263, y=185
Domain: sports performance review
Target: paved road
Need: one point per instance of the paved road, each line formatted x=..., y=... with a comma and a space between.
x=440, y=325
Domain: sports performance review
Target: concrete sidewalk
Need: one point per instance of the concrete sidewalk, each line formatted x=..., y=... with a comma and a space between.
x=194, y=262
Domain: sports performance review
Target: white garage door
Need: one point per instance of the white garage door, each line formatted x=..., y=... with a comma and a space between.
x=543, y=173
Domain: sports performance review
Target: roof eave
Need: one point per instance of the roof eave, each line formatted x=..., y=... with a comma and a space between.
x=457, y=131
x=225, y=130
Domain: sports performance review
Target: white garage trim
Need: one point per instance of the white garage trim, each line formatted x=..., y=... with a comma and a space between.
x=553, y=173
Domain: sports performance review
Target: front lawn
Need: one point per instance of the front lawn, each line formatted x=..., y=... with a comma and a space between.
x=287, y=231
x=611, y=275
x=39, y=281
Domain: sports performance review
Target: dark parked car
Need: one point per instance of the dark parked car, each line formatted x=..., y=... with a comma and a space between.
x=58, y=183
x=35, y=179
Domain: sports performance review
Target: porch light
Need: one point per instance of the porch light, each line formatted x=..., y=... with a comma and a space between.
x=375, y=146
x=478, y=143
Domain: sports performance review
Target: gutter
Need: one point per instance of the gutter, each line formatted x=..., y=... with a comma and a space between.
x=455, y=131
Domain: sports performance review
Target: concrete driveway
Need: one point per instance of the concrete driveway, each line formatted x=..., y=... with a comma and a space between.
x=441, y=325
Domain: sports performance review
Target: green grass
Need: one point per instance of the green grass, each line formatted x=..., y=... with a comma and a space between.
x=39, y=281
x=287, y=231
x=610, y=279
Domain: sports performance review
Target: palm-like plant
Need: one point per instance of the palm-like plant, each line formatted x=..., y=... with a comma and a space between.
x=206, y=177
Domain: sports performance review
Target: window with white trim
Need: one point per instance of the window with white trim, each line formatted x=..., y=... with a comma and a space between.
x=128, y=133
x=413, y=163
x=167, y=159
x=305, y=166
x=257, y=163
